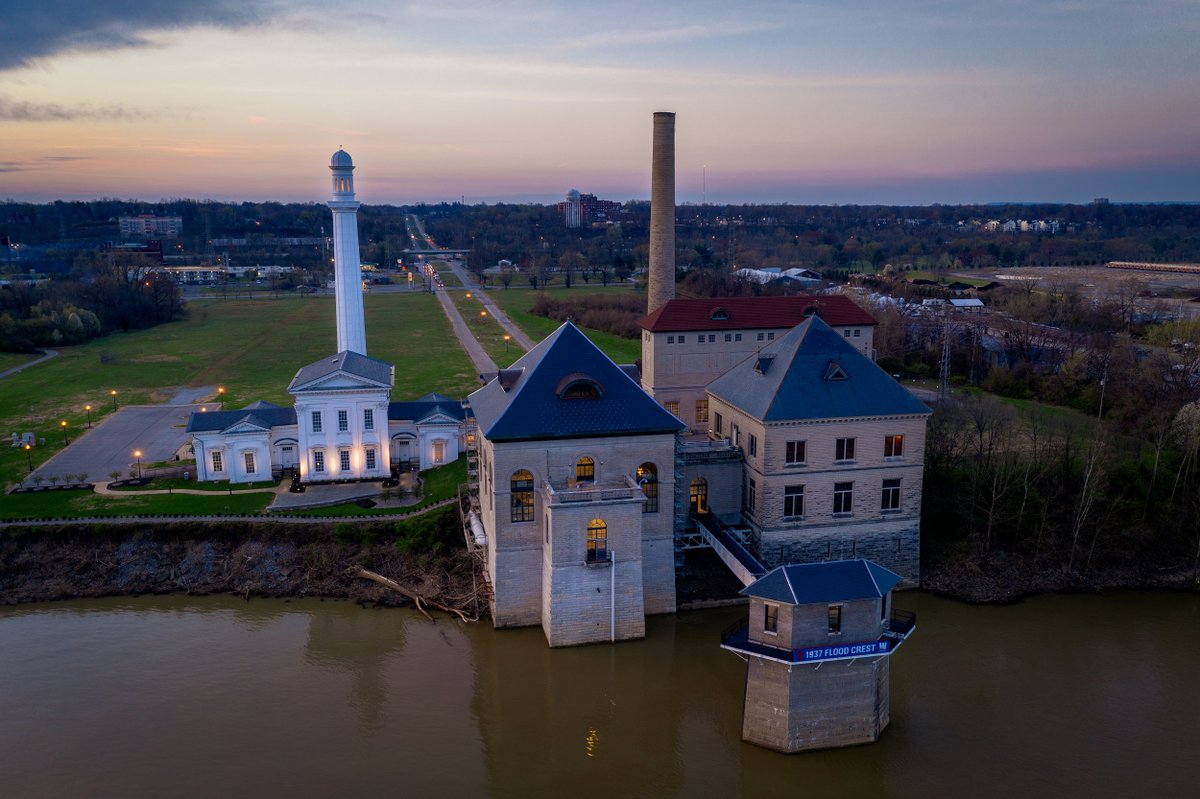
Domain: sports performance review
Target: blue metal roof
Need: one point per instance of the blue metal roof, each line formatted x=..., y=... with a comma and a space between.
x=813, y=372
x=429, y=405
x=822, y=583
x=534, y=399
x=262, y=414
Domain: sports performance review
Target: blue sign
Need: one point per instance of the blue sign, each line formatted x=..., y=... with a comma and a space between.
x=841, y=651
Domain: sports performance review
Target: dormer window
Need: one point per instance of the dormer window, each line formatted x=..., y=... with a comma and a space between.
x=835, y=372
x=720, y=315
x=579, y=386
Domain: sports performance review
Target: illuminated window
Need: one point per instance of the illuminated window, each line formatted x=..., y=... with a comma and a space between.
x=521, y=486
x=344, y=460
x=318, y=461
x=597, y=541
x=647, y=477
x=702, y=411
x=698, y=495
x=893, y=446
x=585, y=470
x=672, y=407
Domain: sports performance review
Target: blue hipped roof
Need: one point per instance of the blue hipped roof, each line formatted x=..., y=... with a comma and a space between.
x=565, y=387
x=812, y=372
x=261, y=414
x=822, y=583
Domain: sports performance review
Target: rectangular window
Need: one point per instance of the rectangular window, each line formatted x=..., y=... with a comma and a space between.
x=893, y=446
x=771, y=336
x=751, y=495
x=718, y=424
x=712, y=337
x=679, y=339
x=249, y=458
x=794, y=453
x=736, y=432
x=770, y=618
x=701, y=339
x=318, y=461
x=793, y=501
x=835, y=619
x=670, y=339
x=753, y=445
x=737, y=336
x=702, y=411
x=316, y=421
x=760, y=336
x=368, y=418
x=672, y=407
x=370, y=457
x=844, y=449
x=843, y=498
x=857, y=332
x=218, y=462
x=343, y=421
x=729, y=337
x=597, y=541
x=846, y=332
x=344, y=460
x=891, y=495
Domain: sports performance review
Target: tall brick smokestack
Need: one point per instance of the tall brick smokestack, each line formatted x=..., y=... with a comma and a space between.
x=661, y=286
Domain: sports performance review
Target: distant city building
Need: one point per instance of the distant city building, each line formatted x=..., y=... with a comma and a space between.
x=585, y=209
x=148, y=226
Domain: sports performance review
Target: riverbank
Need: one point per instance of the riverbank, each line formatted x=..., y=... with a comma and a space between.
x=1004, y=580
x=320, y=559
x=39, y=564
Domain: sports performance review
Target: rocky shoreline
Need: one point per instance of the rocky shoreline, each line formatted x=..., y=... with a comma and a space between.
x=47, y=563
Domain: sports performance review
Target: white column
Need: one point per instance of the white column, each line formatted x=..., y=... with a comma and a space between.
x=351, y=326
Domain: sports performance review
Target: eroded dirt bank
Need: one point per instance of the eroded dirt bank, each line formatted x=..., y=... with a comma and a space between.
x=49, y=563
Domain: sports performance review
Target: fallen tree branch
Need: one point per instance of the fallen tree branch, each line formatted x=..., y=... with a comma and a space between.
x=417, y=599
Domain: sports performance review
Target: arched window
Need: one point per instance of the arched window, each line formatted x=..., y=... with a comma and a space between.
x=597, y=540
x=521, y=487
x=585, y=470
x=698, y=495
x=647, y=477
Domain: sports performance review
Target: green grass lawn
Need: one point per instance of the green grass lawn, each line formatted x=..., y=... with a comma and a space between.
x=251, y=347
x=67, y=504
x=163, y=484
x=517, y=302
x=486, y=329
x=10, y=359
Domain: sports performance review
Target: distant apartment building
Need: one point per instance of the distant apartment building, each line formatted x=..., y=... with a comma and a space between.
x=585, y=209
x=149, y=226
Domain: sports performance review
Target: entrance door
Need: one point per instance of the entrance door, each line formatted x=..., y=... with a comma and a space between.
x=439, y=452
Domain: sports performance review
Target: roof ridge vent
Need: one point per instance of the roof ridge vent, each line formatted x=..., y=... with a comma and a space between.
x=836, y=372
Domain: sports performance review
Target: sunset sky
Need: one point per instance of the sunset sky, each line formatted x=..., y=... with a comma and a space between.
x=832, y=101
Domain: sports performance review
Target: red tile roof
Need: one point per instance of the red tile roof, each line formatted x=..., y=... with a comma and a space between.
x=742, y=313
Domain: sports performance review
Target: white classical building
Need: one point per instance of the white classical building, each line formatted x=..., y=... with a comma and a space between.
x=343, y=425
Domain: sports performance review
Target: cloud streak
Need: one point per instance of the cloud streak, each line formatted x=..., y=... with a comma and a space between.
x=33, y=32
x=22, y=111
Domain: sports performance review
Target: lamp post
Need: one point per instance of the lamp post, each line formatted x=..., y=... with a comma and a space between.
x=221, y=394
x=66, y=438
x=482, y=314
x=114, y=396
x=137, y=453
x=88, y=408
x=29, y=456
x=507, y=338
x=468, y=295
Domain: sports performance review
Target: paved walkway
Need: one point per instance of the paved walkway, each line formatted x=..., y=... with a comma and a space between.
x=46, y=355
x=468, y=281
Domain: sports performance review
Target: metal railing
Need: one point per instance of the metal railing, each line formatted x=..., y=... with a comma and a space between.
x=591, y=492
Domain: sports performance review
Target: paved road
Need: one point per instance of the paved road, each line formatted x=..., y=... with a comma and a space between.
x=46, y=355
x=156, y=430
x=479, y=357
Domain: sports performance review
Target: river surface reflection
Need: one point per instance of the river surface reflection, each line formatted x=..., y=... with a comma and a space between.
x=184, y=696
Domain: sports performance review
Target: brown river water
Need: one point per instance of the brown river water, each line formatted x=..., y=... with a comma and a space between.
x=1065, y=696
